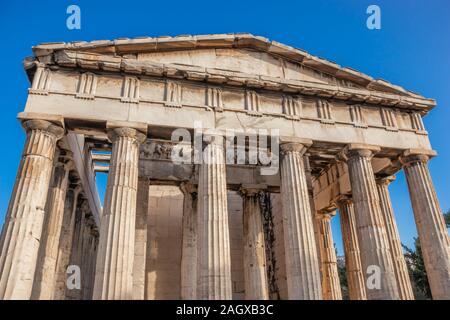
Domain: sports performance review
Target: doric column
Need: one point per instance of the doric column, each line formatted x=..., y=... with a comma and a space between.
x=140, y=243
x=302, y=266
x=355, y=277
x=331, y=286
x=22, y=229
x=214, y=261
x=313, y=209
x=114, y=268
x=255, y=273
x=65, y=240
x=90, y=241
x=189, y=246
x=400, y=269
x=372, y=237
x=433, y=235
x=45, y=274
x=78, y=241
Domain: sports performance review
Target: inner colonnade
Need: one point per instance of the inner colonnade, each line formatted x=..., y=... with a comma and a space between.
x=214, y=229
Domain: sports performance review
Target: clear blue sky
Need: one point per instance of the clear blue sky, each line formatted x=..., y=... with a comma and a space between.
x=412, y=49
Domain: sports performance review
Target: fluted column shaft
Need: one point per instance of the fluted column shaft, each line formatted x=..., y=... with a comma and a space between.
x=302, y=266
x=255, y=273
x=140, y=243
x=45, y=274
x=313, y=210
x=90, y=237
x=400, y=269
x=214, y=260
x=430, y=224
x=76, y=253
x=189, y=246
x=331, y=286
x=22, y=229
x=355, y=277
x=65, y=242
x=114, y=267
x=372, y=237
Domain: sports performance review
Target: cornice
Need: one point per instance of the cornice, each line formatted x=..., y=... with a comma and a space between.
x=115, y=64
x=126, y=46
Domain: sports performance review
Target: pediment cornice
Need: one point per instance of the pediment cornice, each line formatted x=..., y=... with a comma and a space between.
x=126, y=46
x=107, y=63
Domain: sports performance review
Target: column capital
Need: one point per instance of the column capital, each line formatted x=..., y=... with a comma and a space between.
x=325, y=214
x=132, y=130
x=44, y=125
x=410, y=156
x=188, y=187
x=250, y=190
x=56, y=120
x=292, y=144
x=359, y=150
x=344, y=199
x=385, y=180
x=213, y=137
x=126, y=132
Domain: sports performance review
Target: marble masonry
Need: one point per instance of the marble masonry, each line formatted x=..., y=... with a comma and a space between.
x=214, y=229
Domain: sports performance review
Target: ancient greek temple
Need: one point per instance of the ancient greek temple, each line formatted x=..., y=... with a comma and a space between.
x=214, y=228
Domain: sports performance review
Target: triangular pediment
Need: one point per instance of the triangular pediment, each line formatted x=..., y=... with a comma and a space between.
x=244, y=60
x=238, y=53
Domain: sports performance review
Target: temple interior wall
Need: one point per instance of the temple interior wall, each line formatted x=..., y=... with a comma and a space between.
x=164, y=242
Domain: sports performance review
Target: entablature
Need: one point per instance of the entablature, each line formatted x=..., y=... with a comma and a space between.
x=104, y=64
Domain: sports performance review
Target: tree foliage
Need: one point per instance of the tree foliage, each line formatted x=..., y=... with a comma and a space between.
x=417, y=272
x=447, y=218
x=342, y=278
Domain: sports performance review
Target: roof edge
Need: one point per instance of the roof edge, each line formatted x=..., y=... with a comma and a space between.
x=122, y=46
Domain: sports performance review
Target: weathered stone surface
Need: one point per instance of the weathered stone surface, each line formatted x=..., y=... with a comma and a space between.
x=66, y=241
x=430, y=224
x=353, y=268
x=140, y=242
x=398, y=259
x=331, y=287
x=189, y=249
x=255, y=273
x=372, y=237
x=214, y=265
x=77, y=254
x=302, y=265
x=44, y=281
x=164, y=243
x=19, y=243
x=114, y=269
x=148, y=248
x=67, y=55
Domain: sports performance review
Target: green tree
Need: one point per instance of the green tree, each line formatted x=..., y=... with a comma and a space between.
x=417, y=272
x=447, y=218
x=342, y=277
